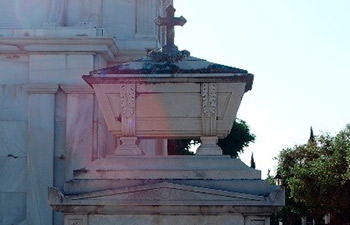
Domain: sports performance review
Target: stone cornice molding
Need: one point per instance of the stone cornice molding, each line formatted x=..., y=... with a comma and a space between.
x=76, y=89
x=40, y=88
x=105, y=46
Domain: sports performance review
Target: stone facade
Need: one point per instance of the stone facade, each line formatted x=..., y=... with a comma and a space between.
x=50, y=121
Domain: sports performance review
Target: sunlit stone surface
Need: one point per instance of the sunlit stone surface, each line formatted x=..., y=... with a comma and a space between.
x=56, y=132
x=168, y=94
x=50, y=120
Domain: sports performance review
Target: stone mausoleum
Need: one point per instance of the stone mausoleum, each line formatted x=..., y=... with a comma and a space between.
x=93, y=150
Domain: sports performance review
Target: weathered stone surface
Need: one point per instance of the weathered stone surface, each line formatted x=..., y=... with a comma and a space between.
x=234, y=219
x=13, y=206
x=186, y=64
x=13, y=138
x=40, y=155
x=255, y=187
x=60, y=106
x=157, y=116
x=106, y=141
x=13, y=173
x=76, y=66
x=14, y=103
x=59, y=68
x=167, y=167
x=13, y=69
x=123, y=11
x=47, y=68
x=79, y=130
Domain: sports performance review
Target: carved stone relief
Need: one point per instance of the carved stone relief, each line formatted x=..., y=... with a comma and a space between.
x=209, y=99
x=127, y=95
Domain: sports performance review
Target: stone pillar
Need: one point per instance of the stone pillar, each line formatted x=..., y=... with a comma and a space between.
x=145, y=15
x=40, y=157
x=79, y=127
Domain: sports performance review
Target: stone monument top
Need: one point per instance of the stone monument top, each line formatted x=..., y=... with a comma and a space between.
x=168, y=95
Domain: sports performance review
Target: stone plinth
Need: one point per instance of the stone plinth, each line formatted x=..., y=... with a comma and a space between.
x=167, y=190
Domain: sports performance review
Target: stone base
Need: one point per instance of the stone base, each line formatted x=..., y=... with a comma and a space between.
x=167, y=167
x=230, y=219
x=128, y=147
x=209, y=146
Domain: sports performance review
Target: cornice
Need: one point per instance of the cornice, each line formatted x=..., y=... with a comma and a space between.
x=76, y=89
x=105, y=46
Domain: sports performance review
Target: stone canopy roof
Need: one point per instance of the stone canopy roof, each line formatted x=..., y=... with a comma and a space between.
x=159, y=63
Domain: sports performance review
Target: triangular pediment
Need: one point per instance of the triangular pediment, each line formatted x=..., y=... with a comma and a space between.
x=166, y=193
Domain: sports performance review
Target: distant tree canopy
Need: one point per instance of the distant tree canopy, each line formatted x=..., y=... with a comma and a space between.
x=316, y=176
x=239, y=138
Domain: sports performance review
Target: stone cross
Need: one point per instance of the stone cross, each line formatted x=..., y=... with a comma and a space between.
x=170, y=22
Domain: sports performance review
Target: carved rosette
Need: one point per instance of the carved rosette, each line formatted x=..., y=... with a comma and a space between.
x=208, y=92
x=127, y=96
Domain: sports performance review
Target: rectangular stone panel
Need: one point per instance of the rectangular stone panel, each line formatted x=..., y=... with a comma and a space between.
x=13, y=206
x=47, y=68
x=13, y=103
x=78, y=65
x=233, y=219
x=119, y=18
x=13, y=139
x=106, y=141
x=13, y=174
x=14, y=69
x=79, y=130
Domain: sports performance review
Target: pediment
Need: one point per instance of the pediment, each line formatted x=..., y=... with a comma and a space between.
x=166, y=193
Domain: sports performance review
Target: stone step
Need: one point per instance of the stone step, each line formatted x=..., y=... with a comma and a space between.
x=167, y=162
x=162, y=167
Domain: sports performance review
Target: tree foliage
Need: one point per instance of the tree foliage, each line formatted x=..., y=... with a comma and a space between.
x=252, y=161
x=316, y=176
x=239, y=138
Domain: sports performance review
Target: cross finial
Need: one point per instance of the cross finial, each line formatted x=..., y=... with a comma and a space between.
x=170, y=21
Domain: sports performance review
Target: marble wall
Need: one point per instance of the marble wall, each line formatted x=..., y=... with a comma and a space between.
x=50, y=121
x=13, y=154
x=50, y=124
x=121, y=19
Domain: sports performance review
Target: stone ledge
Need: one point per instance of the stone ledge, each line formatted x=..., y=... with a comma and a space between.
x=40, y=88
x=76, y=89
x=105, y=46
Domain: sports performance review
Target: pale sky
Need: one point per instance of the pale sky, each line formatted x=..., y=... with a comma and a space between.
x=299, y=52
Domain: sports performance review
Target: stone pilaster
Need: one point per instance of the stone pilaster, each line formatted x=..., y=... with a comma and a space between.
x=145, y=16
x=41, y=113
x=79, y=127
x=128, y=118
x=209, y=112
